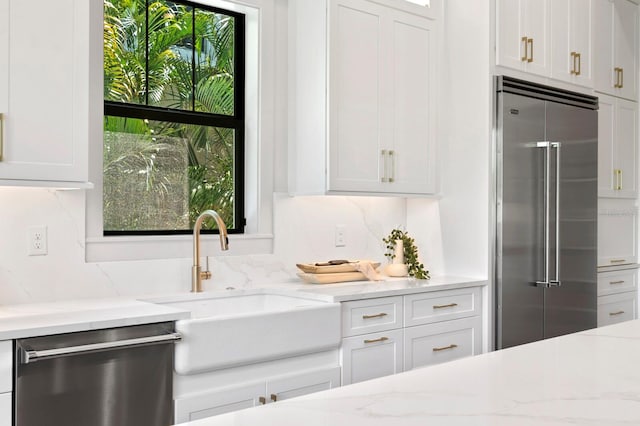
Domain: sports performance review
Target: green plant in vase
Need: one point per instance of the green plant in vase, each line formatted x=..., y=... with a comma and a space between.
x=409, y=252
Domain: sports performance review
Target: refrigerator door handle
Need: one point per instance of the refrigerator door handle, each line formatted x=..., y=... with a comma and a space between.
x=547, y=189
x=556, y=282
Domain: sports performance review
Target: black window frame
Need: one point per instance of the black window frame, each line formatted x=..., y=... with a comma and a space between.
x=235, y=121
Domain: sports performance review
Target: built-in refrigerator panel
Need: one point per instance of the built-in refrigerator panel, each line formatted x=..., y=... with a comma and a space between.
x=546, y=207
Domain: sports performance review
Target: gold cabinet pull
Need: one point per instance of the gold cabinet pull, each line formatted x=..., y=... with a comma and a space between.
x=574, y=69
x=579, y=69
x=445, y=348
x=616, y=282
x=617, y=173
x=392, y=159
x=526, y=49
x=383, y=154
x=274, y=397
x=262, y=400
x=380, y=315
x=618, y=260
x=621, y=78
x=530, y=42
x=619, y=177
x=381, y=339
x=613, y=314
x=450, y=305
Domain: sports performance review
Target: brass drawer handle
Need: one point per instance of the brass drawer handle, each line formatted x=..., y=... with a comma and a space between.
x=612, y=314
x=445, y=348
x=262, y=400
x=616, y=282
x=450, y=305
x=274, y=397
x=382, y=339
x=618, y=260
x=526, y=49
x=380, y=315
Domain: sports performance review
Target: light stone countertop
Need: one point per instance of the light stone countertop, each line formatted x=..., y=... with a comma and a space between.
x=587, y=378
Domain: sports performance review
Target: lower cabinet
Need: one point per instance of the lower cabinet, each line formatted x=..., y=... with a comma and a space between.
x=211, y=403
x=6, y=382
x=617, y=296
x=5, y=409
x=434, y=327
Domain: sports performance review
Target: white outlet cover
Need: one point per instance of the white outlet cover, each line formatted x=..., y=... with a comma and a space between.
x=37, y=241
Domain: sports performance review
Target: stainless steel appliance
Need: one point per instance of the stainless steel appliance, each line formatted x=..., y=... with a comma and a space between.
x=546, y=212
x=114, y=377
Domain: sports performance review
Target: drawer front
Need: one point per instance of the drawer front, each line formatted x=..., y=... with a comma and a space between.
x=372, y=315
x=617, y=308
x=6, y=365
x=5, y=409
x=371, y=355
x=617, y=282
x=441, y=342
x=426, y=308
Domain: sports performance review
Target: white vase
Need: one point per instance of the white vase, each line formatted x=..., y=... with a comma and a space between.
x=397, y=268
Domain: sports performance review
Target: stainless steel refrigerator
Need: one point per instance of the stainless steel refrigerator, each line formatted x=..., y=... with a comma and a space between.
x=546, y=212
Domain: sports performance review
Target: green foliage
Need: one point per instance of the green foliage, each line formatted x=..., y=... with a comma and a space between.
x=409, y=251
x=160, y=175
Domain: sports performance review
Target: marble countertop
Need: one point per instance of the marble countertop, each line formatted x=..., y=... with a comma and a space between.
x=40, y=319
x=587, y=378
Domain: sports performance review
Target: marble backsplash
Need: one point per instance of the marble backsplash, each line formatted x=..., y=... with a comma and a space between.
x=304, y=231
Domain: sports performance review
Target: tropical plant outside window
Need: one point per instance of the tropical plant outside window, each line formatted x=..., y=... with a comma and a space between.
x=174, y=116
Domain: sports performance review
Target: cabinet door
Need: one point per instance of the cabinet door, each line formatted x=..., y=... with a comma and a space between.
x=371, y=355
x=625, y=38
x=581, y=18
x=411, y=67
x=535, y=22
x=603, y=11
x=6, y=366
x=617, y=308
x=441, y=342
x=44, y=74
x=617, y=229
x=509, y=33
x=5, y=409
x=625, y=148
x=357, y=153
x=302, y=384
x=206, y=404
x=607, y=175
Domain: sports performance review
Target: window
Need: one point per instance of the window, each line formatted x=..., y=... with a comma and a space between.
x=174, y=116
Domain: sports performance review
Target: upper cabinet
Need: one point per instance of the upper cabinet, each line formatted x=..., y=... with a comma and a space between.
x=616, y=47
x=44, y=95
x=521, y=35
x=362, y=102
x=571, y=49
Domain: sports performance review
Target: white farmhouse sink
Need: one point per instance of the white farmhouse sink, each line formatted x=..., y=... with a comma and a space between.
x=232, y=329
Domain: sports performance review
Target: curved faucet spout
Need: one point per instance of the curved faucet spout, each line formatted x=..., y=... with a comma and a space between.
x=197, y=275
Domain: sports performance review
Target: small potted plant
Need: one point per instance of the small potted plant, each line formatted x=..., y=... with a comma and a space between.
x=402, y=251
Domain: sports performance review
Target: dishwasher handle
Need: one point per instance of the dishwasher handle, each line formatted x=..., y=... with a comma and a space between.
x=29, y=356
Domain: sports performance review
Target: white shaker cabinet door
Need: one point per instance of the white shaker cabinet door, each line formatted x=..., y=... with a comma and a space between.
x=372, y=355
x=617, y=230
x=571, y=50
x=5, y=409
x=44, y=90
x=302, y=384
x=211, y=403
x=625, y=36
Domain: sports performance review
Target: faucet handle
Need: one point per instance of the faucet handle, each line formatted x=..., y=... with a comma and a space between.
x=206, y=274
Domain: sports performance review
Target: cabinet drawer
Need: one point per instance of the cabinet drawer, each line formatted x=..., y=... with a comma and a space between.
x=426, y=308
x=617, y=308
x=371, y=356
x=372, y=315
x=617, y=282
x=6, y=365
x=441, y=342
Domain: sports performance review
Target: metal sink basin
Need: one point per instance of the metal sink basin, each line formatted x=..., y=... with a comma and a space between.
x=238, y=328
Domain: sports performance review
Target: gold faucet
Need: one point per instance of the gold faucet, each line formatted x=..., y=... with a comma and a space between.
x=197, y=274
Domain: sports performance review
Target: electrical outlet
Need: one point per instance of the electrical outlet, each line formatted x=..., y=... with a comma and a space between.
x=341, y=238
x=37, y=241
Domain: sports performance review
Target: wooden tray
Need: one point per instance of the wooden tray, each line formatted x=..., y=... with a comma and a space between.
x=311, y=268
x=332, y=278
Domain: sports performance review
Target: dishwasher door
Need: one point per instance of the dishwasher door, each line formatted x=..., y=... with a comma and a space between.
x=115, y=377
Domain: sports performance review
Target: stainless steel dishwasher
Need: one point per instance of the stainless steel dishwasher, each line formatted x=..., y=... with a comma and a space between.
x=113, y=377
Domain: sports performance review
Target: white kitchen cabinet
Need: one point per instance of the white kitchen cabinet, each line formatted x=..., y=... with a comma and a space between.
x=617, y=308
x=371, y=315
x=362, y=116
x=438, y=306
x=44, y=92
x=372, y=355
x=617, y=232
x=617, y=148
x=6, y=382
x=571, y=51
x=521, y=35
x=200, y=405
x=441, y=342
x=619, y=281
x=615, y=38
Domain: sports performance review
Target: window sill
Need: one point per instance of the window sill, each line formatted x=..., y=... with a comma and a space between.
x=109, y=249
